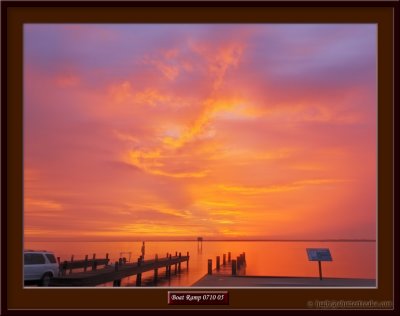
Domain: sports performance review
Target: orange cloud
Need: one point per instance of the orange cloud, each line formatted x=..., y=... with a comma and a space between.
x=153, y=162
x=279, y=188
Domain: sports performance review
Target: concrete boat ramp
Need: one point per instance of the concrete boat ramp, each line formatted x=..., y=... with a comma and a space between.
x=221, y=280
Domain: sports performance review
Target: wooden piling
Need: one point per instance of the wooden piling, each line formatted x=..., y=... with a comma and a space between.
x=156, y=270
x=139, y=275
x=229, y=257
x=116, y=282
x=72, y=260
x=224, y=259
x=169, y=266
x=218, y=263
x=320, y=269
x=210, y=266
x=179, y=263
x=187, y=261
x=86, y=263
x=139, y=279
x=64, y=268
x=238, y=263
x=233, y=267
x=94, y=263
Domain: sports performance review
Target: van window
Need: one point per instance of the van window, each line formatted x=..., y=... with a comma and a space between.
x=34, y=258
x=51, y=258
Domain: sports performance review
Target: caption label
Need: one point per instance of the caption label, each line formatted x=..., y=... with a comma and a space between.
x=198, y=297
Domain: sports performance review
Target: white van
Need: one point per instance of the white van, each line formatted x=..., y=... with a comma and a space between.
x=39, y=267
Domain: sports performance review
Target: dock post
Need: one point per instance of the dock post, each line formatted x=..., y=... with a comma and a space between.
x=210, y=266
x=229, y=257
x=224, y=259
x=64, y=267
x=218, y=263
x=238, y=263
x=179, y=264
x=169, y=266
x=86, y=263
x=187, y=261
x=107, y=259
x=139, y=275
x=94, y=263
x=156, y=269
x=166, y=267
x=176, y=253
x=70, y=267
x=233, y=267
x=118, y=281
x=320, y=269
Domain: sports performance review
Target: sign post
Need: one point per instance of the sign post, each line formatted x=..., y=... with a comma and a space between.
x=320, y=269
x=319, y=254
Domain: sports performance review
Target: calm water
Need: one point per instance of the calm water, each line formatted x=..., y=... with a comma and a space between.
x=350, y=259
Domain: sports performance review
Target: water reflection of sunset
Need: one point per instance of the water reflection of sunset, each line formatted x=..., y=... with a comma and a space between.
x=221, y=131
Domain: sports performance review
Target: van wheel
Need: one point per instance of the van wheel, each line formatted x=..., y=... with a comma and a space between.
x=46, y=279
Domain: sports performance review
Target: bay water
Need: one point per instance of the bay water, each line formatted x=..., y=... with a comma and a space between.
x=351, y=259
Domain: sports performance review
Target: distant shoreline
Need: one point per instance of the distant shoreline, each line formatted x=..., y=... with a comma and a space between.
x=216, y=240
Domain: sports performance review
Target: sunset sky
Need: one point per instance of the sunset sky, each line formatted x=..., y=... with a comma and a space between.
x=177, y=131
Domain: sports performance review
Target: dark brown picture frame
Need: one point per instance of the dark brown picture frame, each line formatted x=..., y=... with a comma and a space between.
x=17, y=299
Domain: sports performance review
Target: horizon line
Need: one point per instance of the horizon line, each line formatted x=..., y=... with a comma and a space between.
x=214, y=240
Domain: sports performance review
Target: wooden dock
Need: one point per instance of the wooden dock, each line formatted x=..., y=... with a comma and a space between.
x=121, y=269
